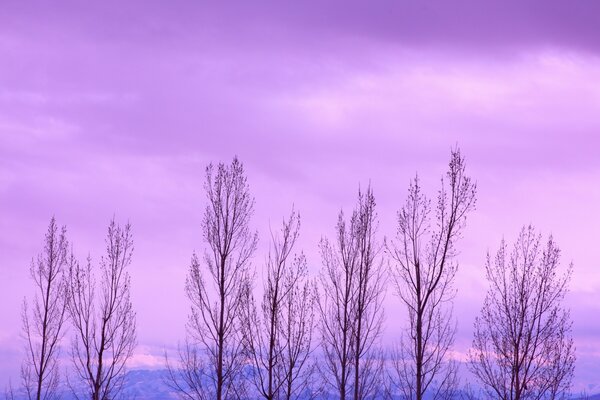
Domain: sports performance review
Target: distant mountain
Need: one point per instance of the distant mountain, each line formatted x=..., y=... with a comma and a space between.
x=147, y=385
x=139, y=385
x=150, y=385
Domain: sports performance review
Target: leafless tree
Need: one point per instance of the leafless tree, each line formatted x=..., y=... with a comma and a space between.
x=9, y=392
x=188, y=378
x=298, y=318
x=584, y=396
x=211, y=361
x=335, y=307
x=424, y=270
x=368, y=321
x=103, y=318
x=522, y=346
x=278, y=338
x=43, y=325
x=351, y=303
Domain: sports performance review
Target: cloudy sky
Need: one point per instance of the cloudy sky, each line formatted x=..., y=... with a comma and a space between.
x=115, y=109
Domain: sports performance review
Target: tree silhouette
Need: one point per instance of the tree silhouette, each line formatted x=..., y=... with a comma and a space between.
x=278, y=337
x=423, y=273
x=350, y=303
x=522, y=346
x=43, y=325
x=103, y=318
x=212, y=359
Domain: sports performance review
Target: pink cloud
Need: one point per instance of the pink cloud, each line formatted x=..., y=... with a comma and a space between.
x=114, y=110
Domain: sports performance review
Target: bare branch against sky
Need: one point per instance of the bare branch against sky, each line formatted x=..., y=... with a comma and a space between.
x=103, y=319
x=43, y=323
x=424, y=269
x=522, y=345
x=212, y=359
x=113, y=107
x=278, y=337
x=350, y=303
x=298, y=323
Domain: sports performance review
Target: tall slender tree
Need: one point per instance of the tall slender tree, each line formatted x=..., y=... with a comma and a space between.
x=211, y=361
x=351, y=304
x=335, y=307
x=298, y=318
x=368, y=320
x=103, y=318
x=43, y=324
x=424, y=269
x=278, y=337
x=522, y=347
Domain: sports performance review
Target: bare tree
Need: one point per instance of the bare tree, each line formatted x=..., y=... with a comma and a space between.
x=584, y=395
x=212, y=360
x=103, y=320
x=278, y=338
x=43, y=326
x=522, y=346
x=368, y=320
x=335, y=307
x=424, y=270
x=9, y=392
x=298, y=317
x=351, y=305
x=188, y=378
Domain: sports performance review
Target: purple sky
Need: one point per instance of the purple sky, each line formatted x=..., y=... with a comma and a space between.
x=109, y=109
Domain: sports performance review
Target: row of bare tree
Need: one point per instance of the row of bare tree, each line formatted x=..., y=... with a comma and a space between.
x=304, y=337
x=101, y=317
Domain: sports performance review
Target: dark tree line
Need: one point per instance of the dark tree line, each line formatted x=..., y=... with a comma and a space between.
x=310, y=338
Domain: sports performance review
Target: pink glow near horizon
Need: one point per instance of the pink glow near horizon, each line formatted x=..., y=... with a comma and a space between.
x=116, y=111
